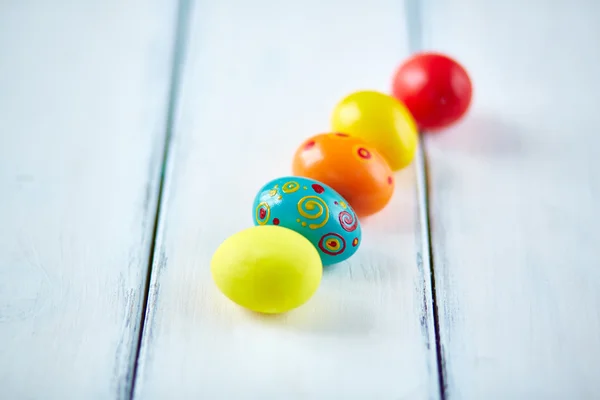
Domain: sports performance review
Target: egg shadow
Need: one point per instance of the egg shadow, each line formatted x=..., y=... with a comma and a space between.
x=336, y=309
x=480, y=135
x=321, y=319
x=349, y=301
x=332, y=311
x=400, y=215
x=329, y=313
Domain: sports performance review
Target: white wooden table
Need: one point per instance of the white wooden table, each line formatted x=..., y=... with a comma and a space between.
x=133, y=136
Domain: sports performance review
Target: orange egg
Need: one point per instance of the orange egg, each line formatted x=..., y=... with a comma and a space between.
x=350, y=166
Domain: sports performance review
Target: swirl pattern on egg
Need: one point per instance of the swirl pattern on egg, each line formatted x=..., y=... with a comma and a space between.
x=314, y=210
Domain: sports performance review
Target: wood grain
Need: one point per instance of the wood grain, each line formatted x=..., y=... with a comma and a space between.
x=83, y=102
x=259, y=78
x=514, y=191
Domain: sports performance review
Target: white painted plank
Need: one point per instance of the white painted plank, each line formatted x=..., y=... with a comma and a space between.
x=83, y=102
x=514, y=193
x=259, y=78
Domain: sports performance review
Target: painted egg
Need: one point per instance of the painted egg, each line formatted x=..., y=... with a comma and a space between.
x=351, y=166
x=314, y=210
x=267, y=269
x=381, y=120
x=435, y=88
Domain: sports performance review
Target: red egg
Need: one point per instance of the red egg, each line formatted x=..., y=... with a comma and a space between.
x=435, y=88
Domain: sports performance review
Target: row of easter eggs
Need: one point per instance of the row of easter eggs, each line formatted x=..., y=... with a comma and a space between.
x=376, y=134
x=311, y=219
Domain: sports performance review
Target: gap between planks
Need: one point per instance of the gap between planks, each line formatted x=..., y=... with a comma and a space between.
x=178, y=54
x=415, y=32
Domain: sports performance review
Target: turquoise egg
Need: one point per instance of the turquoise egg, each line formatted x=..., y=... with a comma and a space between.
x=312, y=209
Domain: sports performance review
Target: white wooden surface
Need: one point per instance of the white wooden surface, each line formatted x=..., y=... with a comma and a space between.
x=84, y=90
x=83, y=99
x=514, y=194
x=259, y=78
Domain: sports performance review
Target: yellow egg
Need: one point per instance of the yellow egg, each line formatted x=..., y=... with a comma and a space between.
x=381, y=120
x=267, y=268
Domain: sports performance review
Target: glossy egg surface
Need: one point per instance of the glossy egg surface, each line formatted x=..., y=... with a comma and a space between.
x=435, y=88
x=350, y=166
x=381, y=120
x=314, y=210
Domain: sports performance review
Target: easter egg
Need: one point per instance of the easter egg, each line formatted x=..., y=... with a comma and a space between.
x=435, y=88
x=350, y=166
x=381, y=120
x=314, y=210
x=267, y=269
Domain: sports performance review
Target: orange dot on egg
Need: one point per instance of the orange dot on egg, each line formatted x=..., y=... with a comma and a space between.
x=350, y=166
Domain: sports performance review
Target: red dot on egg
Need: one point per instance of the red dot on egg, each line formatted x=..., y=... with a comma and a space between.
x=309, y=145
x=318, y=188
x=275, y=221
x=364, y=153
x=390, y=180
x=262, y=213
x=341, y=134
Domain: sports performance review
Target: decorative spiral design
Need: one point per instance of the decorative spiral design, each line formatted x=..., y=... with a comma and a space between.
x=290, y=187
x=348, y=221
x=332, y=244
x=313, y=207
x=262, y=213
